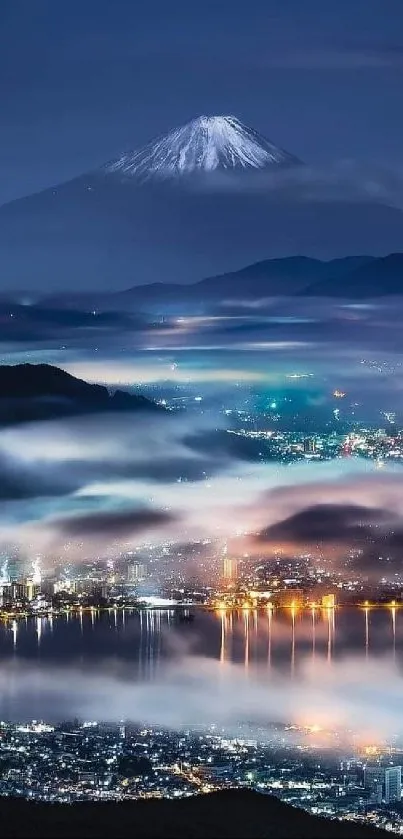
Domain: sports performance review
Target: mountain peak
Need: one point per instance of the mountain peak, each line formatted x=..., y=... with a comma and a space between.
x=205, y=144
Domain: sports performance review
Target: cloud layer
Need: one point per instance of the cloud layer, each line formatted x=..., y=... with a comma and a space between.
x=351, y=695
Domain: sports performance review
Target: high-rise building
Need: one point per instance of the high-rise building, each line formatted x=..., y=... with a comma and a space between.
x=309, y=445
x=17, y=591
x=388, y=779
x=136, y=571
x=374, y=777
x=393, y=784
x=36, y=571
x=31, y=589
x=230, y=568
x=15, y=568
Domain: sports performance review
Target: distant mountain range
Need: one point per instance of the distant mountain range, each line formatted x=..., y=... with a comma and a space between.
x=205, y=198
x=30, y=392
x=354, y=277
x=239, y=814
x=370, y=278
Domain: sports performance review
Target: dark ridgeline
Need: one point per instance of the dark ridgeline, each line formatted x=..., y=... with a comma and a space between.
x=373, y=278
x=230, y=814
x=351, y=277
x=31, y=392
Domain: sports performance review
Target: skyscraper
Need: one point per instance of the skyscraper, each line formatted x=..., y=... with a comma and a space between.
x=230, y=568
x=388, y=778
x=393, y=784
x=136, y=571
x=15, y=566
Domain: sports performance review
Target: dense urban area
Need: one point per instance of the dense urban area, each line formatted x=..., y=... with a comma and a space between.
x=93, y=761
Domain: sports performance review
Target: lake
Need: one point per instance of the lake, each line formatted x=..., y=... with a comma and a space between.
x=338, y=668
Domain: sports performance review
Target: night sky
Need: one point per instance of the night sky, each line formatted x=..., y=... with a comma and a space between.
x=81, y=81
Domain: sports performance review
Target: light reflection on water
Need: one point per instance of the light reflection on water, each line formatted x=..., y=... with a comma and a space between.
x=280, y=638
x=338, y=667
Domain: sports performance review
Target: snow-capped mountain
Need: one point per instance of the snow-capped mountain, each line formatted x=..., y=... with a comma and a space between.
x=124, y=224
x=206, y=144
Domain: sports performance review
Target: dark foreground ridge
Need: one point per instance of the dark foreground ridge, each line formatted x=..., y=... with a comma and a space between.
x=31, y=392
x=231, y=813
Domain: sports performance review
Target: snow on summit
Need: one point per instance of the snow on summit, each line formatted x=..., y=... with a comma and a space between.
x=206, y=144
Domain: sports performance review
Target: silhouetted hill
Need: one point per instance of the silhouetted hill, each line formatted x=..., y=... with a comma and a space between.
x=378, y=277
x=269, y=278
x=352, y=277
x=240, y=814
x=278, y=277
x=40, y=391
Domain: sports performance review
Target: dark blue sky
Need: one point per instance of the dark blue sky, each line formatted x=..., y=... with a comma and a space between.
x=80, y=81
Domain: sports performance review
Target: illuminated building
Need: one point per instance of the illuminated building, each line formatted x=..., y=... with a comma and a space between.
x=16, y=591
x=36, y=568
x=309, y=445
x=4, y=581
x=374, y=777
x=384, y=782
x=69, y=586
x=328, y=601
x=260, y=595
x=31, y=589
x=393, y=784
x=230, y=568
x=20, y=591
x=4, y=573
x=289, y=597
x=15, y=568
x=5, y=593
x=136, y=571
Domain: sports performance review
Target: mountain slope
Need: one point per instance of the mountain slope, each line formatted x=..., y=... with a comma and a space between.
x=269, y=278
x=280, y=276
x=122, y=225
x=239, y=814
x=31, y=392
x=352, y=277
x=382, y=276
x=206, y=144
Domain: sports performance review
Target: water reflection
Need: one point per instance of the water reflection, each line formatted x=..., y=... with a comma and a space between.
x=281, y=638
x=329, y=634
x=14, y=629
x=292, y=641
x=246, y=634
x=366, y=612
x=313, y=632
x=269, y=628
x=393, y=614
x=39, y=630
x=313, y=665
x=223, y=634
